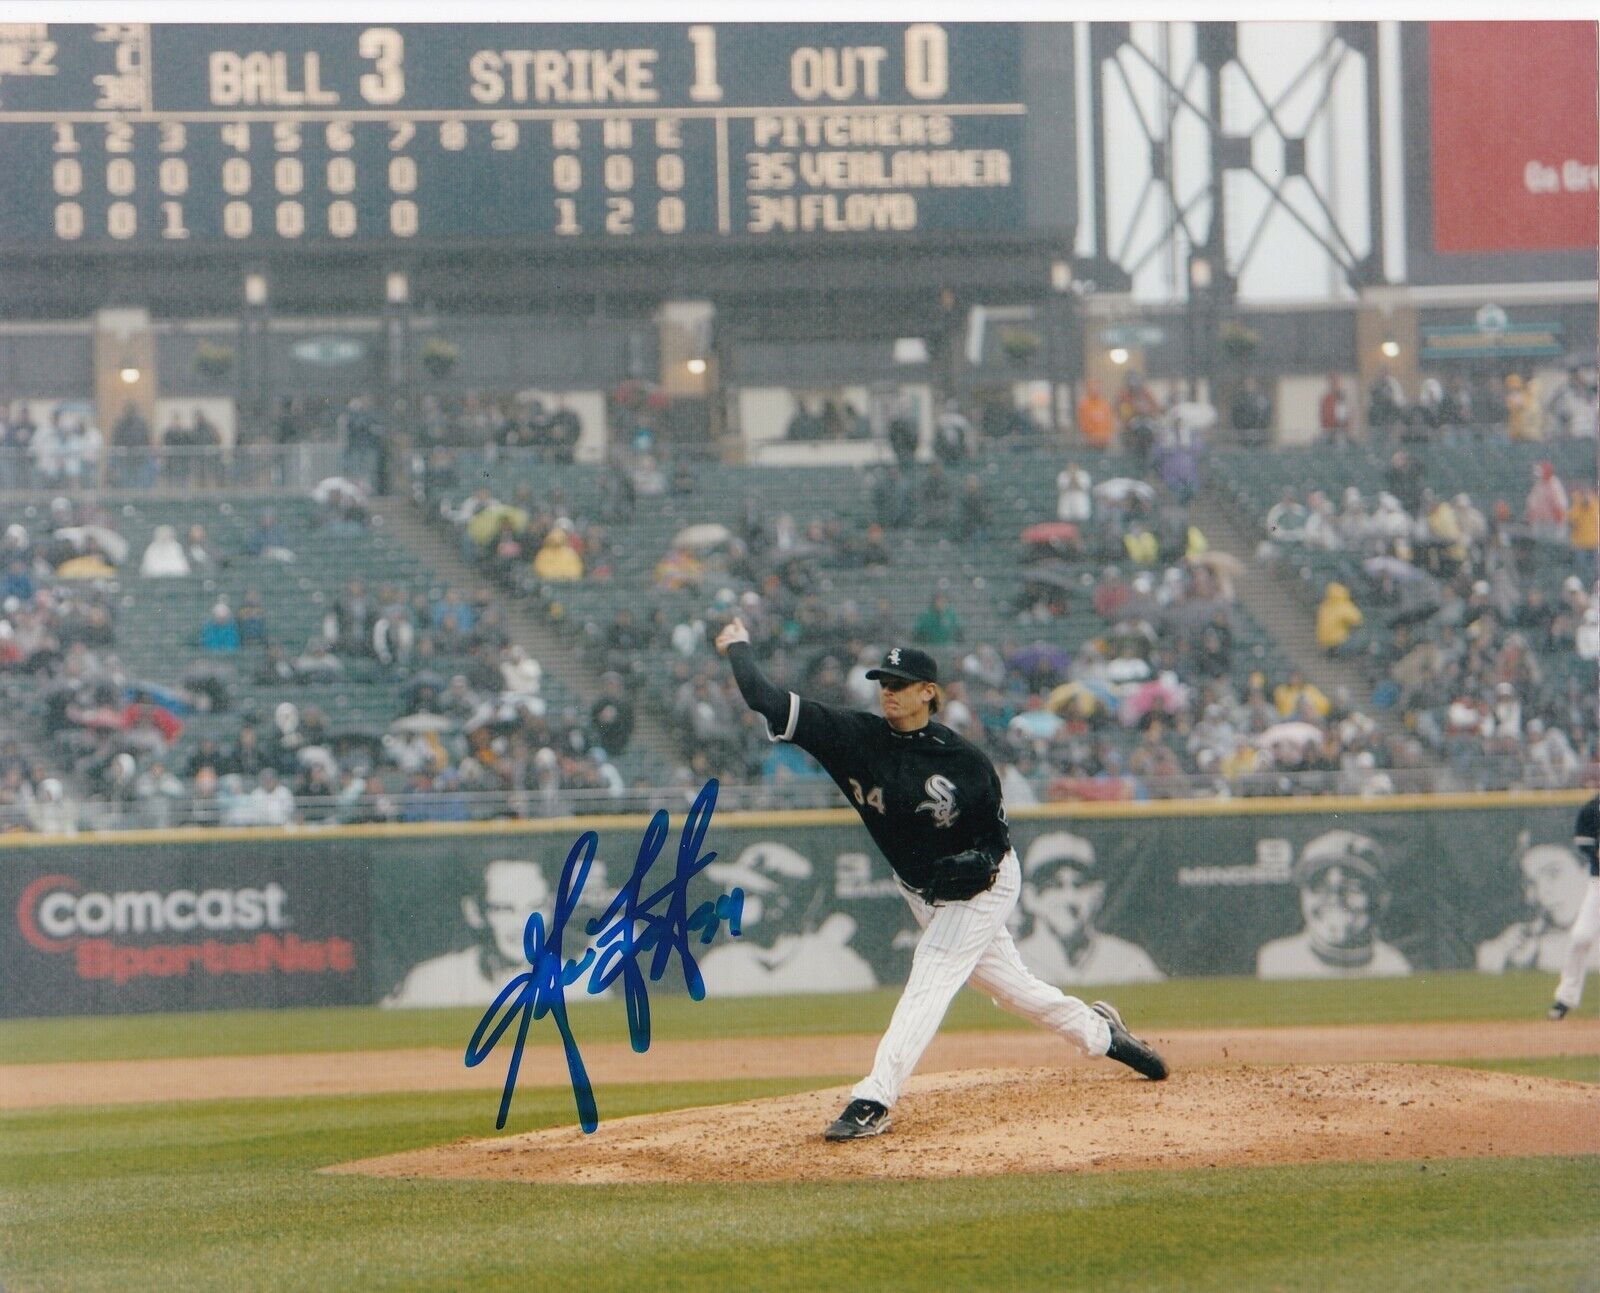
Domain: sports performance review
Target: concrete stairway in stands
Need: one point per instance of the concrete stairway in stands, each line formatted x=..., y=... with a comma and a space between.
x=1277, y=600
x=436, y=549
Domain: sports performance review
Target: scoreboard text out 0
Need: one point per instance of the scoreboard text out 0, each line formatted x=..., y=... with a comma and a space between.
x=278, y=135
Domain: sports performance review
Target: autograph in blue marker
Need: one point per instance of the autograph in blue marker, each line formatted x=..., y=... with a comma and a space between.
x=660, y=924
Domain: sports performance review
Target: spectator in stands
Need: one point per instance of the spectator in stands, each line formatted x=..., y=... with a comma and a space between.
x=803, y=425
x=17, y=431
x=649, y=480
x=1404, y=477
x=1096, y=421
x=1523, y=420
x=394, y=634
x=1141, y=545
x=557, y=560
x=1337, y=618
x=938, y=625
x=164, y=558
x=1386, y=402
x=252, y=619
x=246, y=757
x=318, y=663
x=220, y=633
x=1551, y=759
x=1293, y=698
x=270, y=802
x=348, y=626
x=275, y=669
x=1074, y=499
x=613, y=715
x=1138, y=411
x=937, y=497
x=130, y=437
x=972, y=511
x=952, y=435
x=204, y=555
x=1322, y=523
x=1428, y=414
x=51, y=812
x=1457, y=409
x=891, y=498
x=1545, y=509
x=1571, y=411
x=452, y=618
x=1251, y=414
x=1333, y=412
x=268, y=539
x=678, y=570
x=1286, y=519
x=903, y=438
x=1583, y=519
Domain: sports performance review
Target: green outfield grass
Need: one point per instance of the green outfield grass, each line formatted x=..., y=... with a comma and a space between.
x=224, y=1195
x=1186, y=1003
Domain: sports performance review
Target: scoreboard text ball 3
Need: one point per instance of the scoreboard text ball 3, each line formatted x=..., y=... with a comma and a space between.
x=277, y=135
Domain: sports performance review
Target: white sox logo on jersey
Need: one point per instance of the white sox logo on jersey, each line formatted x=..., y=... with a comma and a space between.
x=941, y=801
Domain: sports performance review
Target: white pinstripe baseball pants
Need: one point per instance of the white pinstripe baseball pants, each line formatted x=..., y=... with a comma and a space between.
x=968, y=942
x=1585, y=933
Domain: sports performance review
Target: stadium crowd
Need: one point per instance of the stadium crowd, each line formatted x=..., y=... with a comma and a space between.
x=1111, y=659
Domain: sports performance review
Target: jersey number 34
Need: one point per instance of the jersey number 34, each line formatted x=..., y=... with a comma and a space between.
x=872, y=799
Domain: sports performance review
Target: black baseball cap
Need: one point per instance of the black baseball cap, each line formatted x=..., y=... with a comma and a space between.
x=906, y=663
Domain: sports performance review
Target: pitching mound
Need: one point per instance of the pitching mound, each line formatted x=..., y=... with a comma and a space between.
x=991, y=1122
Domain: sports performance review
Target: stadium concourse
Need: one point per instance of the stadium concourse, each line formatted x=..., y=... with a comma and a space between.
x=264, y=656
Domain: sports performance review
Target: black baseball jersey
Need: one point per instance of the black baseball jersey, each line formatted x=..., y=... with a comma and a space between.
x=1586, y=832
x=922, y=795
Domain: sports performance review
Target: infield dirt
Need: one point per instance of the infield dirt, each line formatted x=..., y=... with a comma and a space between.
x=437, y=1069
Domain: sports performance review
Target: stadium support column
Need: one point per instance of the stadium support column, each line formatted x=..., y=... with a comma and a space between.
x=254, y=363
x=1387, y=340
x=397, y=350
x=690, y=376
x=124, y=368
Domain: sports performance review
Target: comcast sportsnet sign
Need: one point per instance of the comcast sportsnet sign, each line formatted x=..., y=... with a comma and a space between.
x=204, y=933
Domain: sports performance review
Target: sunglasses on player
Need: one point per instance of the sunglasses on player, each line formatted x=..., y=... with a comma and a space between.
x=896, y=684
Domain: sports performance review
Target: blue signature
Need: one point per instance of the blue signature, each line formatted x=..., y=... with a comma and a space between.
x=629, y=927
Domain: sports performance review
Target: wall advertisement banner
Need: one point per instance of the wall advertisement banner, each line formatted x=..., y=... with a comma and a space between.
x=1104, y=900
x=122, y=929
x=437, y=919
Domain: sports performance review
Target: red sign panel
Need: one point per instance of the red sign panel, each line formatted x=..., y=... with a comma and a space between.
x=1515, y=136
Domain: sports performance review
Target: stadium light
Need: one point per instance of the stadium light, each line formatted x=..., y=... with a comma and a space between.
x=397, y=288
x=1200, y=273
x=255, y=289
x=1391, y=349
x=696, y=366
x=130, y=374
x=1119, y=356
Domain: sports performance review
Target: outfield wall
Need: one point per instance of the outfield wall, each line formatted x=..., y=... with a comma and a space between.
x=198, y=920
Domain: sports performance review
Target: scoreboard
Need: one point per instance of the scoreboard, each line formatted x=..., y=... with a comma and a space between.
x=273, y=136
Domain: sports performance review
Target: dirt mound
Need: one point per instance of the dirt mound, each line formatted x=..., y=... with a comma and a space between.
x=998, y=1121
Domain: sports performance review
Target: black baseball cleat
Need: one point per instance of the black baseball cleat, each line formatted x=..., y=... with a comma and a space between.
x=860, y=1118
x=1127, y=1049
x=1557, y=1011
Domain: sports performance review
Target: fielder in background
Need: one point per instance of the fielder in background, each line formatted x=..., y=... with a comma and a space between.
x=931, y=802
x=1586, y=929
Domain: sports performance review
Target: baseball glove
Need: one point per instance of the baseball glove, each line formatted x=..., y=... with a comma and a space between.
x=961, y=876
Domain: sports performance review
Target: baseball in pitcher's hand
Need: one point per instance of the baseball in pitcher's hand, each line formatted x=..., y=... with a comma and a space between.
x=733, y=631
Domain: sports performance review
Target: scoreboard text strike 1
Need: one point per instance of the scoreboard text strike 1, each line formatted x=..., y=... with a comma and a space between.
x=277, y=135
